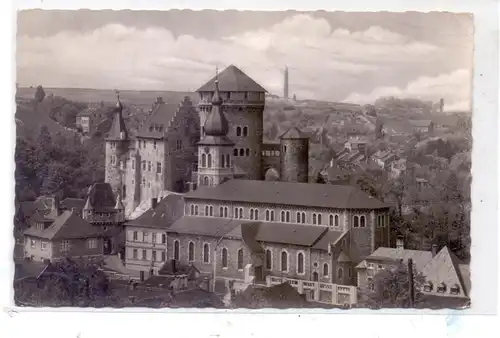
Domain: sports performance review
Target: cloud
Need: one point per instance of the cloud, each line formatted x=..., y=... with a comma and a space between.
x=455, y=88
x=324, y=63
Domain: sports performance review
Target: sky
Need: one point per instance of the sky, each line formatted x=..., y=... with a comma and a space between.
x=334, y=56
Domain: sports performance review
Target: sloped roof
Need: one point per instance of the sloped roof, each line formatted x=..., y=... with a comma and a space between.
x=118, y=129
x=232, y=79
x=331, y=237
x=101, y=196
x=67, y=226
x=293, y=133
x=286, y=233
x=287, y=193
x=343, y=257
x=204, y=226
x=420, y=258
x=69, y=203
x=159, y=120
x=168, y=210
x=445, y=268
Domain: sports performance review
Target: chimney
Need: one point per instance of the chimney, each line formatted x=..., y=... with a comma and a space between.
x=434, y=249
x=400, y=243
x=174, y=266
x=154, y=202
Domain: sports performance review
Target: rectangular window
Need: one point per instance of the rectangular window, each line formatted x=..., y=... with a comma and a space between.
x=154, y=144
x=135, y=236
x=134, y=254
x=158, y=167
x=92, y=243
x=153, y=237
x=64, y=245
x=149, y=166
x=143, y=165
x=163, y=257
x=43, y=246
x=33, y=244
x=144, y=256
x=178, y=145
x=133, y=164
x=154, y=256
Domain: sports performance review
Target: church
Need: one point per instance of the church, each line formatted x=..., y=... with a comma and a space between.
x=239, y=229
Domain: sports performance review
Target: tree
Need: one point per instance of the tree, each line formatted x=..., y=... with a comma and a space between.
x=67, y=282
x=39, y=94
x=391, y=288
x=320, y=179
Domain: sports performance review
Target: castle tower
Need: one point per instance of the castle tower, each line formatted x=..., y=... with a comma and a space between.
x=215, y=149
x=294, y=156
x=243, y=107
x=117, y=145
x=285, y=84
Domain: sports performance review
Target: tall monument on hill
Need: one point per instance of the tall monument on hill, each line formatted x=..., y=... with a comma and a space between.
x=285, y=85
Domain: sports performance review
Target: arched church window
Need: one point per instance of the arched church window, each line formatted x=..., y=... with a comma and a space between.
x=356, y=222
x=203, y=160
x=245, y=131
x=209, y=160
x=300, y=263
x=205, y=180
x=242, y=152
x=284, y=261
x=269, y=260
x=224, y=258
x=240, y=259
x=235, y=152
x=238, y=131
x=222, y=161
x=176, y=250
x=325, y=269
x=228, y=160
x=362, y=221
x=247, y=152
x=191, y=252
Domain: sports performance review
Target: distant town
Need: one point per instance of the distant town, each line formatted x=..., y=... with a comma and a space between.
x=233, y=197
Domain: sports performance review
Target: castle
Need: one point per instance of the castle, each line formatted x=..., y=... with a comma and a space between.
x=232, y=225
x=165, y=155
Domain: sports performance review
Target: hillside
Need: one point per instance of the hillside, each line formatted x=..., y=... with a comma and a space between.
x=142, y=99
x=29, y=120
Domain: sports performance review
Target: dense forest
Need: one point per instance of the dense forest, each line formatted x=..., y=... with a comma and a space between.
x=46, y=163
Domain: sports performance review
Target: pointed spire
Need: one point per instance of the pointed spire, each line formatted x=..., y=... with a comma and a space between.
x=216, y=99
x=88, y=205
x=119, y=105
x=118, y=131
x=216, y=123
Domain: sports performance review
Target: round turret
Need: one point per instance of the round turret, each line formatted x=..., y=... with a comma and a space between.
x=294, y=156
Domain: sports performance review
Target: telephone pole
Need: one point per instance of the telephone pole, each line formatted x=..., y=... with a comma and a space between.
x=411, y=292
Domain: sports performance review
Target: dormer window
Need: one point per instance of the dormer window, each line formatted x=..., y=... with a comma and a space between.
x=428, y=287
x=441, y=288
x=455, y=289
